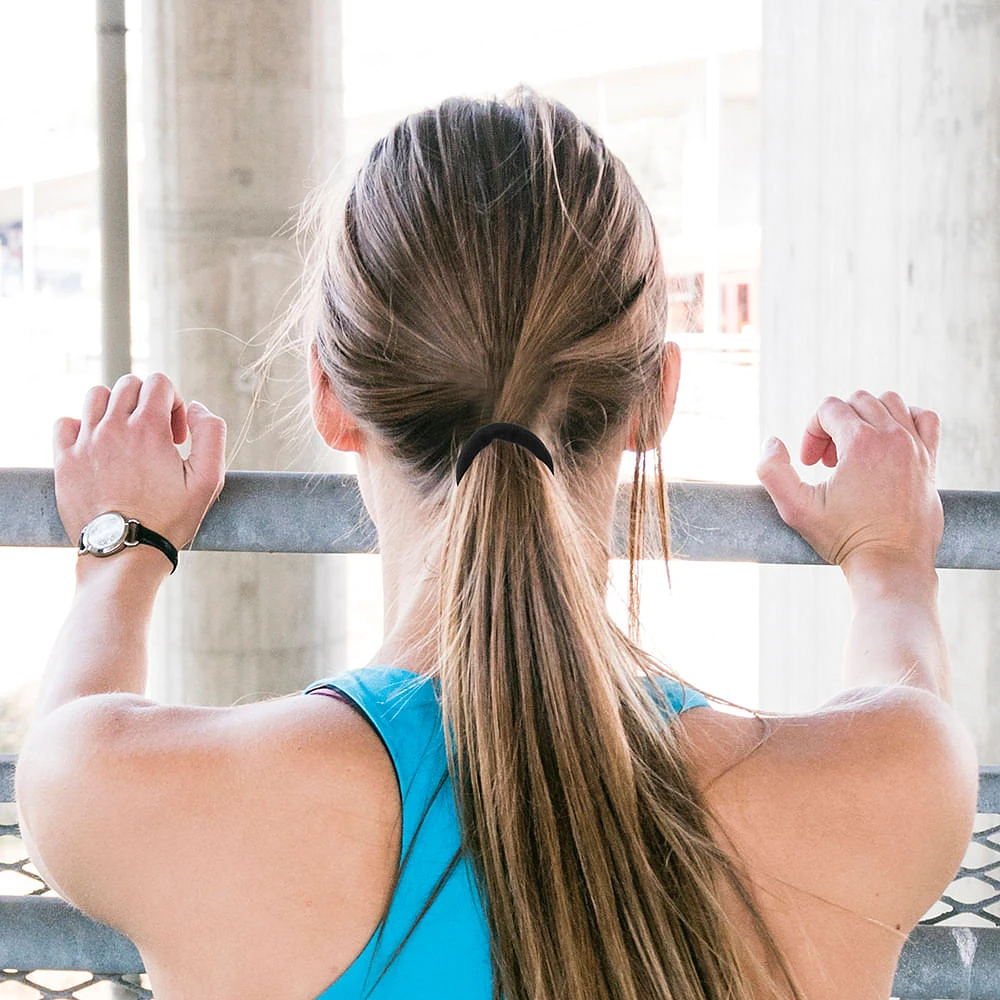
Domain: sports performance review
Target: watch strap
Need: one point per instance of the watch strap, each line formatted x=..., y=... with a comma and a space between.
x=142, y=535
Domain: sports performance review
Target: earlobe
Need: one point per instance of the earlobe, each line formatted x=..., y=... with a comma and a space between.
x=669, y=382
x=335, y=425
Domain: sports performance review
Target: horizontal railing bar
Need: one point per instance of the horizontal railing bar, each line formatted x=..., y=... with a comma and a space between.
x=949, y=963
x=989, y=793
x=8, y=764
x=299, y=512
x=45, y=932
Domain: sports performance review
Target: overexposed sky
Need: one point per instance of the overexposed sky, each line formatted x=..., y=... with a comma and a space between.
x=414, y=53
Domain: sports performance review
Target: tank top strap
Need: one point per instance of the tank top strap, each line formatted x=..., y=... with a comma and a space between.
x=435, y=935
x=435, y=930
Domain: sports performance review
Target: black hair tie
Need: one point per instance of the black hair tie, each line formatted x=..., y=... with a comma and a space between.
x=514, y=433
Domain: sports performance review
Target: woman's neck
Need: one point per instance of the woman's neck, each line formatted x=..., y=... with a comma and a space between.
x=409, y=617
x=411, y=534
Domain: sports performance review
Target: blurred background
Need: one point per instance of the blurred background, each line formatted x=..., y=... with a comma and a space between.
x=826, y=184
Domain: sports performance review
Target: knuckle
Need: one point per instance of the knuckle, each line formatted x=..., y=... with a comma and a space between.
x=862, y=433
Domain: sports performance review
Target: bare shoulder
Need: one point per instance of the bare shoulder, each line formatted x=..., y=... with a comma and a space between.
x=894, y=768
x=850, y=819
x=281, y=814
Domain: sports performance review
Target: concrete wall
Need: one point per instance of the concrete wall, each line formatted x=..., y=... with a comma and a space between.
x=881, y=269
x=243, y=115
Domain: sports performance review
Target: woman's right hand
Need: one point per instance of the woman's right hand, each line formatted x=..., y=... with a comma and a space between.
x=880, y=504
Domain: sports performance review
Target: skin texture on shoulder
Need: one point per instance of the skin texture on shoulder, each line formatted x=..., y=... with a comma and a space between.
x=850, y=822
x=248, y=852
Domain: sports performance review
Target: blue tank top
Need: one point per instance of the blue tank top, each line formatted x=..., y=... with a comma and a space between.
x=440, y=951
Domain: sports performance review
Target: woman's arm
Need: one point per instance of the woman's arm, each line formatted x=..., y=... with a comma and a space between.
x=101, y=646
x=889, y=771
x=122, y=456
x=895, y=634
x=879, y=518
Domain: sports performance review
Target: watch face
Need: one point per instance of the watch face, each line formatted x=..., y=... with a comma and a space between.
x=104, y=534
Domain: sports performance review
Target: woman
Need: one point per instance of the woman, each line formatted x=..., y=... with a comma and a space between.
x=485, y=331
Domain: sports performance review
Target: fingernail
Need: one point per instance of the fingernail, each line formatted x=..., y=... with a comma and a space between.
x=194, y=404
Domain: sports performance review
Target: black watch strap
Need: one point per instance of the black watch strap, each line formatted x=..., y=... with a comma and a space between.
x=146, y=536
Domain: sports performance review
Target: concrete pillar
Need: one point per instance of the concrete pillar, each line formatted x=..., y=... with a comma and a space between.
x=881, y=269
x=243, y=110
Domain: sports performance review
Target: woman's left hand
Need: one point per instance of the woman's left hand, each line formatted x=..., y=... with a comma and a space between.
x=122, y=455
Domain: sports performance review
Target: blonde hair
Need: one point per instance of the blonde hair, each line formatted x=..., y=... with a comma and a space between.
x=496, y=263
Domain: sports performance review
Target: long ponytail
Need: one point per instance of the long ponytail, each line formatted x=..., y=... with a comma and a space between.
x=496, y=263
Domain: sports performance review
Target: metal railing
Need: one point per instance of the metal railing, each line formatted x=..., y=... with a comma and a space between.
x=298, y=512
x=954, y=953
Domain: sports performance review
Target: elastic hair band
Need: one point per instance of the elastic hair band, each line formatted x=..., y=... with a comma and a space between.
x=514, y=433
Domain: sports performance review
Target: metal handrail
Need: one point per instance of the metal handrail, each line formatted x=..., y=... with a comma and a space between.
x=299, y=512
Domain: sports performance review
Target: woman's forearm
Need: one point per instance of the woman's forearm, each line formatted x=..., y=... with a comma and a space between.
x=895, y=634
x=102, y=645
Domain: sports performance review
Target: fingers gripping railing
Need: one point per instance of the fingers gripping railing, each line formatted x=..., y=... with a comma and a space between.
x=268, y=512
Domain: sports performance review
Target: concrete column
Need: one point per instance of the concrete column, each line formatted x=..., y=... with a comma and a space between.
x=243, y=116
x=881, y=269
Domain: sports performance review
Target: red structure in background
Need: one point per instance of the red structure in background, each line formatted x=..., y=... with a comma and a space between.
x=738, y=311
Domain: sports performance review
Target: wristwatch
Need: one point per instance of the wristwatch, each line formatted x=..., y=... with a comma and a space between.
x=112, y=532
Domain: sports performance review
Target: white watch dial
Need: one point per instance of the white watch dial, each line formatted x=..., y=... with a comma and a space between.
x=105, y=533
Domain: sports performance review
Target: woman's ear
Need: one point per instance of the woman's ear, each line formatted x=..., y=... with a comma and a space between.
x=669, y=382
x=335, y=425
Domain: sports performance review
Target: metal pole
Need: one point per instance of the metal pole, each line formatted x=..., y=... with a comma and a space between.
x=112, y=130
x=304, y=512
